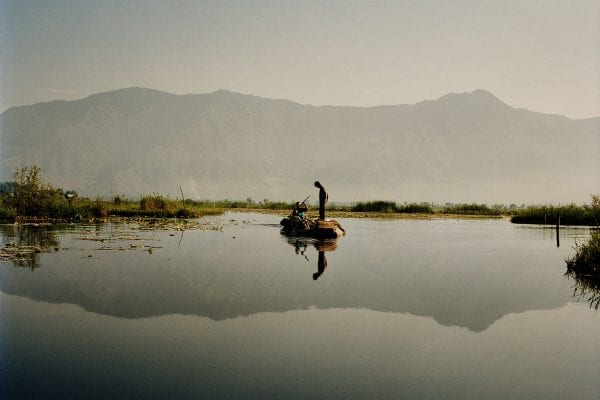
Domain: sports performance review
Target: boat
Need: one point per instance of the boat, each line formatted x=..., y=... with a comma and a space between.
x=296, y=225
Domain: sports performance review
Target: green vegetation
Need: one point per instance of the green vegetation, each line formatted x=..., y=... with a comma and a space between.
x=584, y=265
x=474, y=209
x=156, y=206
x=392, y=207
x=586, y=259
x=29, y=197
x=427, y=208
x=375, y=206
x=416, y=208
x=7, y=187
x=569, y=215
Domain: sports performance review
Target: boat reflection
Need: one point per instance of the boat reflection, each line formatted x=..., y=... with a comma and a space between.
x=322, y=246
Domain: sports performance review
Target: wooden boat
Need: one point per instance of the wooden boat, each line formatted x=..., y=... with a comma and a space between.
x=294, y=225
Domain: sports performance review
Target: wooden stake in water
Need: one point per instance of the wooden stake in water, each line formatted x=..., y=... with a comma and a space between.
x=182, y=198
x=557, y=230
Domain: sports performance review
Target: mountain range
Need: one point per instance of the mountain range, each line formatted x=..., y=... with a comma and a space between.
x=467, y=147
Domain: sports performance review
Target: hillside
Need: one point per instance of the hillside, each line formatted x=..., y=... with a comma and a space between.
x=460, y=147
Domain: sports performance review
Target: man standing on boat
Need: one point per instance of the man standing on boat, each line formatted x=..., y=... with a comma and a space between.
x=323, y=197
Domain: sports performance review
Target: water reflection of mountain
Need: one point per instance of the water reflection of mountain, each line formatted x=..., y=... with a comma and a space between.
x=217, y=276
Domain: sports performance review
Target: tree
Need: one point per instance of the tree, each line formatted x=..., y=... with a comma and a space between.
x=596, y=201
x=596, y=208
x=7, y=188
x=32, y=196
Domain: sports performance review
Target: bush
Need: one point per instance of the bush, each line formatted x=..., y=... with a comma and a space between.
x=420, y=208
x=569, y=215
x=99, y=209
x=155, y=202
x=587, y=257
x=470, y=209
x=7, y=187
x=375, y=206
x=6, y=210
x=392, y=207
x=32, y=196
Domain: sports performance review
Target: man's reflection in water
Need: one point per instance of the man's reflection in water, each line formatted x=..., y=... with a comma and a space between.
x=321, y=265
x=301, y=247
x=322, y=246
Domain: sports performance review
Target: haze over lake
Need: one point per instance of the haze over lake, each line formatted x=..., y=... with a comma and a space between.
x=469, y=147
x=118, y=116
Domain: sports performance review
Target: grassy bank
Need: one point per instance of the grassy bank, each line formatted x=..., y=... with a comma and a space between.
x=88, y=209
x=430, y=208
x=569, y=215
x=158, y=206
x=584, y=269
x=586, y=259
x=391, y=207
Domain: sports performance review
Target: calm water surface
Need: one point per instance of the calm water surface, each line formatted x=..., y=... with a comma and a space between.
x=397, y=309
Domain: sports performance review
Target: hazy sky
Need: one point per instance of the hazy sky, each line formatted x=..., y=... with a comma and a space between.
x=538, y=54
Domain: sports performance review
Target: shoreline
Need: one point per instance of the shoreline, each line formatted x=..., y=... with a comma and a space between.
x=146, y=217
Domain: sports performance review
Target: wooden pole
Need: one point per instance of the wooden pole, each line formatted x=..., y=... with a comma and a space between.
x=557, y=230
x=182, y=198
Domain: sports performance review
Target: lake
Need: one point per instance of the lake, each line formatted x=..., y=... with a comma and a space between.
x=452, y=309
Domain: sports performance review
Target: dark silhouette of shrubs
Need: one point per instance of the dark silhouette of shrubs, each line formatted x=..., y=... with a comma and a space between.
x=471, y=209
x=415, y=208
x=584, y=265
x=586, y=259
x=375, y=206
x=31, y=196
x=391, y=207
x=156, y=202
x=569, y=215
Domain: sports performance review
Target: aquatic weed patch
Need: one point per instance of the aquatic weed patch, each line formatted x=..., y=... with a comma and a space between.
x=586, y=259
